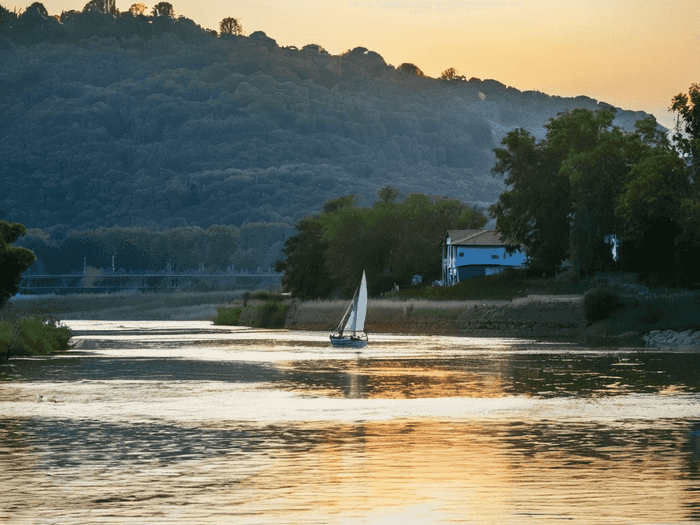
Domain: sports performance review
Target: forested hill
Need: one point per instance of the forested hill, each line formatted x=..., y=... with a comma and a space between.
x=154, y=121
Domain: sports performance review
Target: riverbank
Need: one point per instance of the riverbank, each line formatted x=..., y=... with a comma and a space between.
x=554, y=317
x=531, y=316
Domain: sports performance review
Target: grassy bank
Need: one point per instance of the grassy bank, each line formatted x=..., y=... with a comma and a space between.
x=177, y=306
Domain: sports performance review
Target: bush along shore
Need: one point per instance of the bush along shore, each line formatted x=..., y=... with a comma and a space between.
x=33, y=336
x=258, y=310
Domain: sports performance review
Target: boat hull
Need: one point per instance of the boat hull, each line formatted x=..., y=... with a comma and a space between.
x=348, y=342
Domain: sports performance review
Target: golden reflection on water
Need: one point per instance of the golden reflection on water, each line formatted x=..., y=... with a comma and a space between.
x=173, y=426
x=432, y=471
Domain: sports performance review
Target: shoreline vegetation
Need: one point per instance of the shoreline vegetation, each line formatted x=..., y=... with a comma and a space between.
x=606, y=310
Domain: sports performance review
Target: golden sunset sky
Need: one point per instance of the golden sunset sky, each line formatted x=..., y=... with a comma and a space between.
x=635, y=54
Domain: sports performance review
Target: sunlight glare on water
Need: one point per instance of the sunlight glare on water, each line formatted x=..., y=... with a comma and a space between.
x=185, y=422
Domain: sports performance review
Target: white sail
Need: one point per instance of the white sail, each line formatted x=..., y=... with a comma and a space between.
x=355, y=321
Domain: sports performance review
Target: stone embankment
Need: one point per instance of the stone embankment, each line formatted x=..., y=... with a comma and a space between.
x=533, y=316
x=671, y=338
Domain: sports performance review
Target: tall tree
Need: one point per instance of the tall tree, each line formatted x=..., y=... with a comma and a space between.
x=230, y=26
x=305, y=275
x=452, y=74
x=687, y=132
x=164, y=9
x=13, y=260
x=535, y=212
x=137, y=9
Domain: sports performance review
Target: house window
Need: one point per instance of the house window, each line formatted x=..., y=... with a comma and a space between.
x=494, y=256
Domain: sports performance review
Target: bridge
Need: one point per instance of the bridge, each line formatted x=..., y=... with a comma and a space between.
x=114, y=282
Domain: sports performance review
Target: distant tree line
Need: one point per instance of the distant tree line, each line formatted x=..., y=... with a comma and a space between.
x=139, y=249
x=589, y=185
x=144, y=119
x=391, y=241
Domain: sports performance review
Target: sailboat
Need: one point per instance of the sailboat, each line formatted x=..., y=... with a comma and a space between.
x=350, y=331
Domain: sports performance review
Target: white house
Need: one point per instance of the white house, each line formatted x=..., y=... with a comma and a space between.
x=475, y=253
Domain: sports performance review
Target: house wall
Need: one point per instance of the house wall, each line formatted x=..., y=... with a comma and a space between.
x=463, y=262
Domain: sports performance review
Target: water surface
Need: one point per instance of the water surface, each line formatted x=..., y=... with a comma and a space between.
x=185, y=422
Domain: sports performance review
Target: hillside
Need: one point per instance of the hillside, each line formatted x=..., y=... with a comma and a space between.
x=157, y=122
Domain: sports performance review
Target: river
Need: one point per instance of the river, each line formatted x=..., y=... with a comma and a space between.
x=185, y=422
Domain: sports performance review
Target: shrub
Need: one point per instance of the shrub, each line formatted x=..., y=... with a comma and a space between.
x=273, y=314
x=228, y=316
x=34, y=336
x=599, y=304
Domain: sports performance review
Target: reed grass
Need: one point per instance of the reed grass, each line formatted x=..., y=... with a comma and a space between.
x=121, y=307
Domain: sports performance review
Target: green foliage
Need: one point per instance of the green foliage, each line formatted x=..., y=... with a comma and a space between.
x=270, y=314
x=588, y=180
x=13, y=260
x=599, y=304
x=687, y=133
x=33, y=336
x=273, y=314
x=534, y=213
x=305, y=274
x=390, y=241
x=228, y=315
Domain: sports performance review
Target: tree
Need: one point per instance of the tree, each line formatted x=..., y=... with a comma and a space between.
x=390, y=241
x=101, y=6
x=137, y=9
x=535, y=212
x=13, y=260
x=163, y=9
x=387, y=194
x=687, y=141
x=409, y=70
x=452, y=74
x=305, y=275
x=687, y=132
x=564, y=188
x=230, y=26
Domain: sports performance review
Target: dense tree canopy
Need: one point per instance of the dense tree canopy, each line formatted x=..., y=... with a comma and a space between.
x=155, y=122
x=390, y=241
x=13, y=260
x=588, y=184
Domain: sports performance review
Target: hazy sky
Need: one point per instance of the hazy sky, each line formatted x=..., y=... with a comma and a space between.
x=635, y=54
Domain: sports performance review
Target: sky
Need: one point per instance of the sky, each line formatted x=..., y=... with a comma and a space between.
x=634, y=54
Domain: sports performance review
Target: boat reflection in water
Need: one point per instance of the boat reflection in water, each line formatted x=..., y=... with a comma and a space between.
x=188, y=423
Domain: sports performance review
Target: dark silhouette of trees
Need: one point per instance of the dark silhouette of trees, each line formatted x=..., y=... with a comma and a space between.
x=13, y=260
x=452, y=74
x=163, y=9
x=588, y=181
x=305, y=274
x=101, y=6
x=230, y=26
x=409, y=70
x=137, y=9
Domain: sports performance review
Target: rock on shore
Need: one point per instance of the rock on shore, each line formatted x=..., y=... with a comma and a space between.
x=671, y=338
